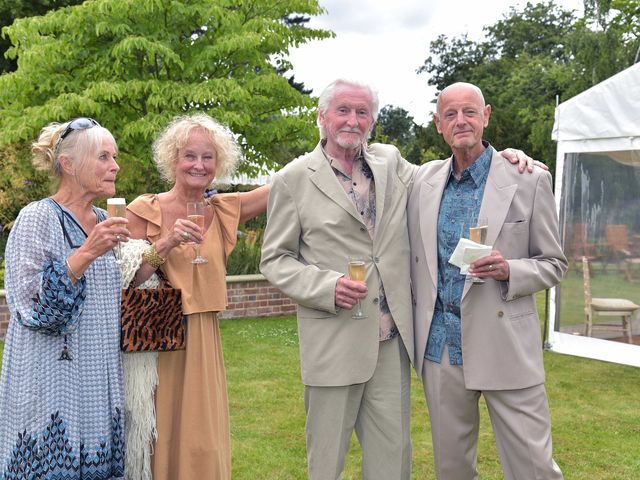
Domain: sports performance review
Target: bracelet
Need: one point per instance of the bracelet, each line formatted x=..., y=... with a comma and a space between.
x=152, y=257
x=73, y=274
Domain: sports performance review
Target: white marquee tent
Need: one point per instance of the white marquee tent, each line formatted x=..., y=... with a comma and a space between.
x=597, y=184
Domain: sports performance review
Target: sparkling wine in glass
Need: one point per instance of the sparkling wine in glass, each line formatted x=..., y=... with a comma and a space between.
x=195, y=213
x=478, y=234
x=357, y=274
x=117, y=207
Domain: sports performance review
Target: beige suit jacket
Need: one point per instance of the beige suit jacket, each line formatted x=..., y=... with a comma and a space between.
x=312, y=229
x=501, y=343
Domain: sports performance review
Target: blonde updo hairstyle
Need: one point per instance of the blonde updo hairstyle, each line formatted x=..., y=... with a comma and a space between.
x=176, y=136
x=79, y=146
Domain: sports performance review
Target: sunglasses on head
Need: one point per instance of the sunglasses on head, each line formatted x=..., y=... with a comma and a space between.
x=80, y=123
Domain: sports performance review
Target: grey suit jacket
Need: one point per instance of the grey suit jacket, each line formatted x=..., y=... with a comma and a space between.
x=312, y=229
x=501, y=343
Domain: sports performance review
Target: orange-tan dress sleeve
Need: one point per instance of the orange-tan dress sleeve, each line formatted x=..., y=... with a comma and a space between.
x=226, y=207
x=147, y=206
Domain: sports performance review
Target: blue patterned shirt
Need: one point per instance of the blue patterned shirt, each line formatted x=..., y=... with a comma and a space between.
x=459, y=209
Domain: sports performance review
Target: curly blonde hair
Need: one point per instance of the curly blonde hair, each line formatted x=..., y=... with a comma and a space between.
x=176, y=136
x=78, y=146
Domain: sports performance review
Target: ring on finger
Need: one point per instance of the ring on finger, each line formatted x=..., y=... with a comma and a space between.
x=117, y=237
x=185, y=236
x=491, y=267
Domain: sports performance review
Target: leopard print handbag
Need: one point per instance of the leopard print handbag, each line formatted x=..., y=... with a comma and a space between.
x=152, y=319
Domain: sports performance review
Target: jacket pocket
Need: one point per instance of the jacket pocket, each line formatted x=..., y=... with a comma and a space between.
x=307, y=312
x=519, y=227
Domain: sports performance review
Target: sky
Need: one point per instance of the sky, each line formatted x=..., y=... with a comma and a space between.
x=384, y=42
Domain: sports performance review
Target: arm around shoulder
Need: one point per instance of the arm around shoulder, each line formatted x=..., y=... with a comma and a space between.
x=254, y=203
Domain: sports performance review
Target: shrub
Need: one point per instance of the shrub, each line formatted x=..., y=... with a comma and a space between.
x=245, y=258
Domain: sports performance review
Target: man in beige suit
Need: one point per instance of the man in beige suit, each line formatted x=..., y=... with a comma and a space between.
x=475, y=339
x=323, y=208
x=348, y=199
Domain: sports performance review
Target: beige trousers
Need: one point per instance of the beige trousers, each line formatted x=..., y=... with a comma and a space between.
x=520, y=419
x=379, y=410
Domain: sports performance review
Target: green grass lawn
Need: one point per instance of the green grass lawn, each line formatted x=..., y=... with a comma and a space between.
x=595, y=410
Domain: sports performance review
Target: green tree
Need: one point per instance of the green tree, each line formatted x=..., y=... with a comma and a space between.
x=20, y=183
x=433, y=145
x=396, y=126
x=416, y=143
x=453, y=59
x=533, y=57
x=134, y=64
x=12, y=9
x=607, y=39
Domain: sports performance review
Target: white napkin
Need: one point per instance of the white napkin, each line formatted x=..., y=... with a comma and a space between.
x=467, y=252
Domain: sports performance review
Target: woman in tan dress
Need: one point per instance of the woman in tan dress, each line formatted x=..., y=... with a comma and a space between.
x=192, y=411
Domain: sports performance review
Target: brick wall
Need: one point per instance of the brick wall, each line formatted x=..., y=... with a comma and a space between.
x=253, y=296
x=249, y=296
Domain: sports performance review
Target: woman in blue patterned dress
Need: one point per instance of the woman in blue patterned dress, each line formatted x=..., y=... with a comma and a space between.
x=61, y=393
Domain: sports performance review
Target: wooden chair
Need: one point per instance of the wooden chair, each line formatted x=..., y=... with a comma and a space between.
x=579, y=246
x=620, y=250
x=614, y=307
x=618, y=241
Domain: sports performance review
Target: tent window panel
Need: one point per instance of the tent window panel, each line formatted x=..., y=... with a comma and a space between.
x=600, y=220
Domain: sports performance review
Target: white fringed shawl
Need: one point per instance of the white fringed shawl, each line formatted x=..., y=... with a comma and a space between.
x=140, y=381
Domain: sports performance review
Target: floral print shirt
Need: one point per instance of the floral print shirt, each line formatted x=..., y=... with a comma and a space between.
x=360, y=187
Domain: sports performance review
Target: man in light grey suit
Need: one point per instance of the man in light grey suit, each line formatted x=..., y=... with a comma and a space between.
x=475, y=339
x=344, y=199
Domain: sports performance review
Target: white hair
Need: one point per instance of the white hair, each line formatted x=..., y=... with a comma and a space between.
x=329, y=92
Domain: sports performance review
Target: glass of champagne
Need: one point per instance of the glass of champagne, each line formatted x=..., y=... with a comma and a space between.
x=357, y=274
x=478, y=234
x=195, y=213
x=117, y=207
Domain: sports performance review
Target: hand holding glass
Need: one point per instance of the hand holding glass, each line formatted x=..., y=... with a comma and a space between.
x=195, y=213
x=117, y=207
x=357, y=274
x=478, y=234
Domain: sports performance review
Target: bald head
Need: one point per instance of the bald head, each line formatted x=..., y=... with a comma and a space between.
x=461, y=118
x=457, y=88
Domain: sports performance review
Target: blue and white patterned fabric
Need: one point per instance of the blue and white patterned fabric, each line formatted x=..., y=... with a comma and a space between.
x=459, y=209
x=61, y=389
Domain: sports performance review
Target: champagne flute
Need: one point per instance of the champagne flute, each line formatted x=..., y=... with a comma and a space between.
x=117, y=207
x=478, y=234
x=357, y=274
x=195, y=213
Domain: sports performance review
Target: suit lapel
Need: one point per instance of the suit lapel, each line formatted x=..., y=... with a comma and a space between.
x=430, y=197
x=496, y=201
x=498, y=195
x=380, y=172
x=323, y=177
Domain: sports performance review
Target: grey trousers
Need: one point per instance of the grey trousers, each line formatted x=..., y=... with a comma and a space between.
x=520, y=419
x=379, y=410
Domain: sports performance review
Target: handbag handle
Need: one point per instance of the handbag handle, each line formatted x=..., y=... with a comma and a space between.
x=163, y=280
